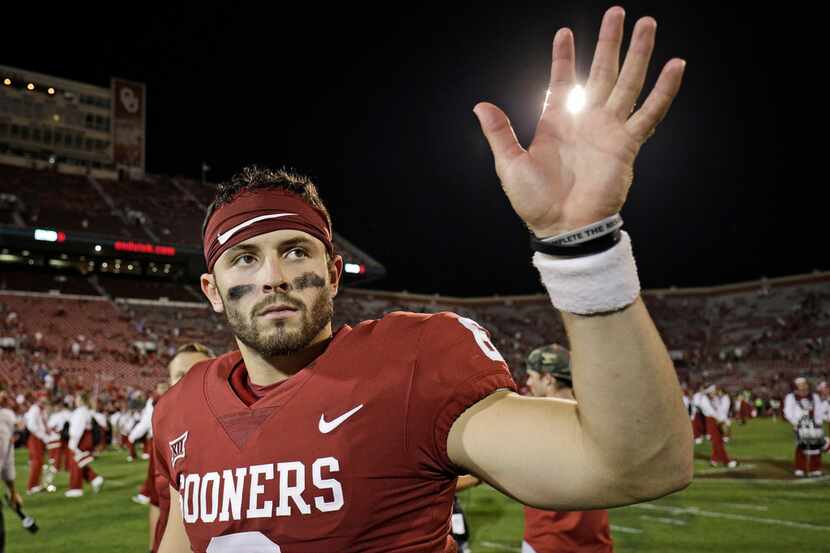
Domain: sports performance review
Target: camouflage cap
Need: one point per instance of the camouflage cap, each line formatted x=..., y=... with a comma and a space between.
x=552, y=359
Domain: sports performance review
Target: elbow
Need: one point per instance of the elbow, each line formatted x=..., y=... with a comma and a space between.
x=649, y=489
x=669, y=469
x=681, y=478
x=676, y=478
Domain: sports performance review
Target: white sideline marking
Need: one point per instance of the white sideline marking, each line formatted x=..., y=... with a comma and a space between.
x=747, y=506
x=498, y=546
x=625, y=529
x=714, y=514
x=765, y=480
x=664, y=520
x=812, y=479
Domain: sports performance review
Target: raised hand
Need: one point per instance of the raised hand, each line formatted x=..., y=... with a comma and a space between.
x=580, y=166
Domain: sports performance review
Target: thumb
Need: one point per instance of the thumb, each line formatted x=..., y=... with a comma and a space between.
x=499, y=133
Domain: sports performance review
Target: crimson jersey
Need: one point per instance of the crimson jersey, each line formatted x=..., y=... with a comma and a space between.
x=347, y=455
x=568, y=532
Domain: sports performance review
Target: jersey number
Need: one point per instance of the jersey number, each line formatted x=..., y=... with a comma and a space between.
x=249, y=542
x=482, y=339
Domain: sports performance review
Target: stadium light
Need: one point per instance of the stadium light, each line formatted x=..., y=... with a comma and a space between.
x=576, y=99
x=30, y=86
x=51, y=90
x=7, y=82
x=44, y=235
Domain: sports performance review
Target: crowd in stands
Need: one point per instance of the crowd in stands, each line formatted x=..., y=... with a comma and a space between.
x=758, y=340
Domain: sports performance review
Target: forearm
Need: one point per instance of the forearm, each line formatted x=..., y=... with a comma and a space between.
x=9, y=486
x=629, y=400
x=466, y=481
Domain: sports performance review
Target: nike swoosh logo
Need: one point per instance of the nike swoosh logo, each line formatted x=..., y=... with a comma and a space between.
x=225, y=236
x=326, y=427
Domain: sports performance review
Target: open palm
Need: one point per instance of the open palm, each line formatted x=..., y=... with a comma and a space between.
x=579, y=167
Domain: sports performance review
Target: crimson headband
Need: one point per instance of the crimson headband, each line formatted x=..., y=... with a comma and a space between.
x=253, y=213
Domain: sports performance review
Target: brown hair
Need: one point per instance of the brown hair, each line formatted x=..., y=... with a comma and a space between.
x=195, y=347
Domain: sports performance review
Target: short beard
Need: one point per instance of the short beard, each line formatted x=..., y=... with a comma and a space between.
x=281, y=343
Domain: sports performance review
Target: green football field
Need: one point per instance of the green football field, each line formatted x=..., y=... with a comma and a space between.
x=757, y=507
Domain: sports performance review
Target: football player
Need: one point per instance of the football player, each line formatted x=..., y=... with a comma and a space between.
x=308, y=439
x=158, y=496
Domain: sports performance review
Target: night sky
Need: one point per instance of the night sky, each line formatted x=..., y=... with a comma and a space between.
x=376, y=105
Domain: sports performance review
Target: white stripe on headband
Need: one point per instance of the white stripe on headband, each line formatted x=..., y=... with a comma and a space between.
x=225, y=236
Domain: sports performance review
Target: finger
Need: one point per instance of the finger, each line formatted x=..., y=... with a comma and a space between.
x=645, y=120
x=562, y=71
x=499, y=133
x=606, y=65
x=634, y=70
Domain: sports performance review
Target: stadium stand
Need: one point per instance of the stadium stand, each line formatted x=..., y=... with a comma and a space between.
x=710, y=330
x=54, y=200
x=120, y=330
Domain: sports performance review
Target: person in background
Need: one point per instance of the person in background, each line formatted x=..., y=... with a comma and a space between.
x=81, y=446
x=803, y=410
x=716, y=419
x=158, y=496
x=549, y=375
x=36, y=419
x=459, y=526
x=7, y=471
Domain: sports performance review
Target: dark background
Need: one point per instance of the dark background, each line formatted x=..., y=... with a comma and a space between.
x=376, y=105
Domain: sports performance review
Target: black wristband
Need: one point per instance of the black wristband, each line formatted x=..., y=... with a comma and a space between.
x=590, y=247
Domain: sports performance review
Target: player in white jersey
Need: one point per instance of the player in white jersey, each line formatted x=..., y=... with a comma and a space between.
x=81, y=446
x=698, y=419
x=35, y=419
x=711, y=407
x=58, y=445
x=804, y=410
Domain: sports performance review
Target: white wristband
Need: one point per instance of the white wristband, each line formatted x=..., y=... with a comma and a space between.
x=596, y=283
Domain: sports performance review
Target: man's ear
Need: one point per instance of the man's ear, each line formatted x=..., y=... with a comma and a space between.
x=209, y=288
x=335, y=270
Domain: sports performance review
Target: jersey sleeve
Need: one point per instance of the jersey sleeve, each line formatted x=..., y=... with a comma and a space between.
x=162, y=477
x=456, y=366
